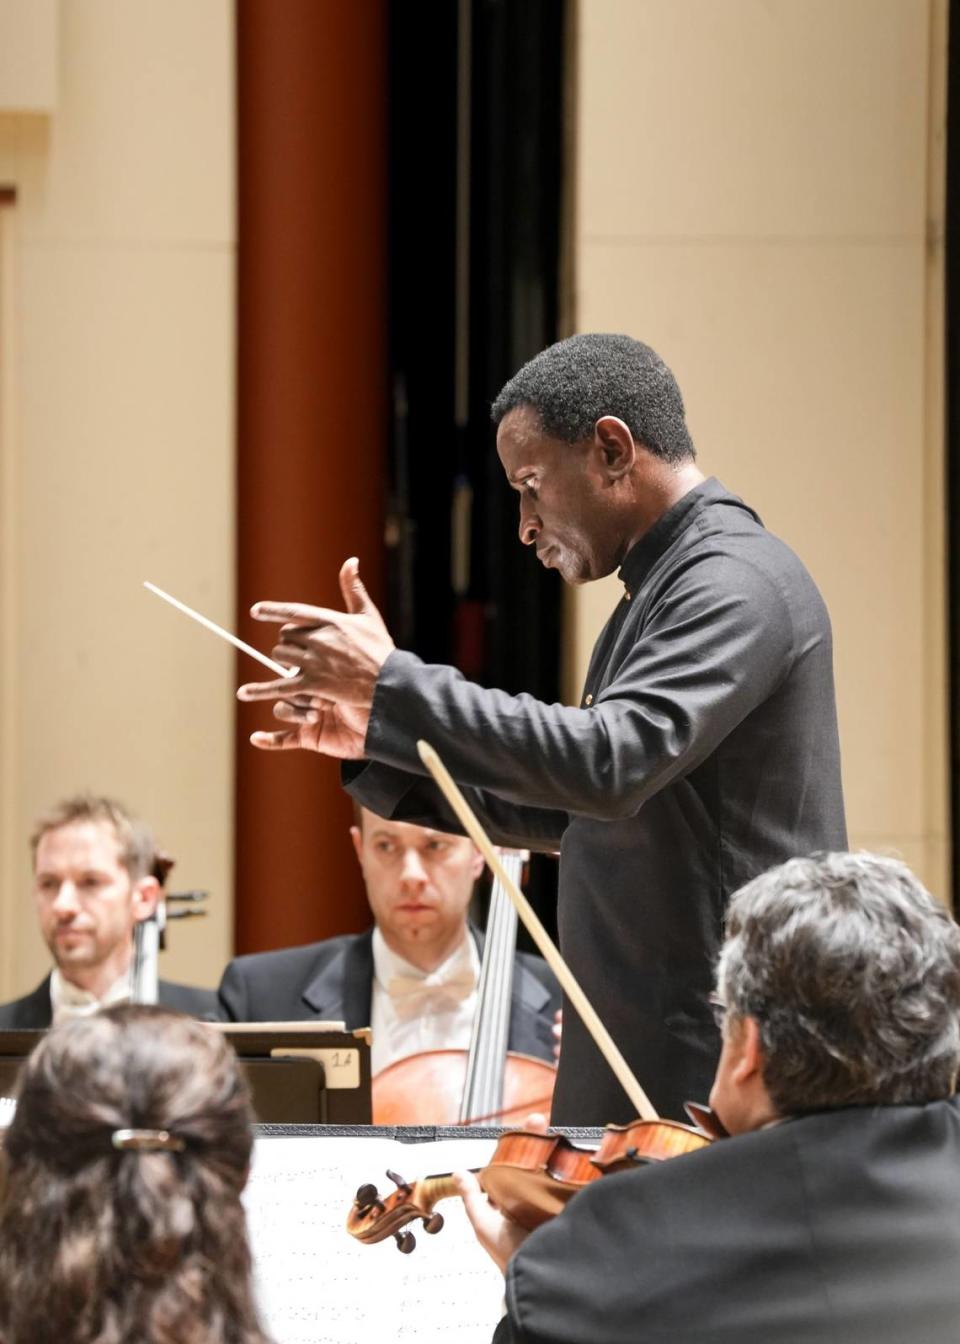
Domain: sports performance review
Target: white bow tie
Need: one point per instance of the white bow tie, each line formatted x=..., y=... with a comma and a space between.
x=414, y=995
x=68, y=1001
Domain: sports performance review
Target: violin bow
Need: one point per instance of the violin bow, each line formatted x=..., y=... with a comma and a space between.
x=548, y=950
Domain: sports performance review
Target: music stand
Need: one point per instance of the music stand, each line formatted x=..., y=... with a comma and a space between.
x=299, y=1073
x=304, y=1072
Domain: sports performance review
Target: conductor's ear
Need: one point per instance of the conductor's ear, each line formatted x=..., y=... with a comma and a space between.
x=616, y=445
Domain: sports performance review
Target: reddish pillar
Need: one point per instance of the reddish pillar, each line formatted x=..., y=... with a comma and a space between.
x=312, y=356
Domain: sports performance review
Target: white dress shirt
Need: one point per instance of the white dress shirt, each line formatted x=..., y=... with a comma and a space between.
x=412, y=1011
x=67, y=1000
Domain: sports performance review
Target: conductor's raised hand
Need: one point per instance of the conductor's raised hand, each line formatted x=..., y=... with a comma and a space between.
x=339, y=654
x=317, y=725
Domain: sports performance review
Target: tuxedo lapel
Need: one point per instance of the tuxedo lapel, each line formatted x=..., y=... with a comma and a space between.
x=33, y=1011
x=342, y=990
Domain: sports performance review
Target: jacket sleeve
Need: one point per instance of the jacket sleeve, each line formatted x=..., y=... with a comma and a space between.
x=232, y=995
x=713, y=648
x=505, y=1333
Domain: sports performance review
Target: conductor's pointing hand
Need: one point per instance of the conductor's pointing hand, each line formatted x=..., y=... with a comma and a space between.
x=338, y=655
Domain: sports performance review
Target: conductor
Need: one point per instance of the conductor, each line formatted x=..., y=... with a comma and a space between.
x=703, y=749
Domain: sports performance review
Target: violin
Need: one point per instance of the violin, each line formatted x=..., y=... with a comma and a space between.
x=530, y=1177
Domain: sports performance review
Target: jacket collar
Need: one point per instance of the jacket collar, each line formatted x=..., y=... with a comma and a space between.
x=342, y=989
x=644, y=554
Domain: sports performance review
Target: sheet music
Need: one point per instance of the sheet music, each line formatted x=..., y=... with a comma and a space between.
x=317, y=1285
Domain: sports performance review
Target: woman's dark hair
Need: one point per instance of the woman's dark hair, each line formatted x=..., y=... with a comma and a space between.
x=138, y=1245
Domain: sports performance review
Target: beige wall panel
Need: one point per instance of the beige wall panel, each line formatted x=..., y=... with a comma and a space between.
x=802, y=372
x=10, y=531
x=784, y=117
x=928, y=856
x=141, y=145
x=28, y=54
x=753, y=200
x=122, y=450
x=8, y=150
x=126, y=474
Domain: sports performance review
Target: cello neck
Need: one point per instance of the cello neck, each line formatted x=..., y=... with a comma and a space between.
x=145, y=965
x=483, y=1083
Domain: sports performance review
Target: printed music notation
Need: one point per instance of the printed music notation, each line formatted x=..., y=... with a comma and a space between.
x=317, y=1285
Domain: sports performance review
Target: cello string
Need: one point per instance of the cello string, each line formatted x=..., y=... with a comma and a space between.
x=551, y=955
x=483, y=1082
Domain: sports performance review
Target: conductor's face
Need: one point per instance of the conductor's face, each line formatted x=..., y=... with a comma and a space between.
x=87, y=904
x=419, y=884
x=564, y=507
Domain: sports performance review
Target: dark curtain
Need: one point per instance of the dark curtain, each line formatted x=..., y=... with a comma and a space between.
x=477, y=116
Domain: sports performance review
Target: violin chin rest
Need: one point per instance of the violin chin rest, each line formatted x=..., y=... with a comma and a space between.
x=702, y=1118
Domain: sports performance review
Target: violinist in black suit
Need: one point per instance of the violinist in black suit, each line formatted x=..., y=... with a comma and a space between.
x=93, y=881
x=831, y=1214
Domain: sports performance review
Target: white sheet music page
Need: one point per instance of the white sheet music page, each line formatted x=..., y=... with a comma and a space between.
x=317, y=1285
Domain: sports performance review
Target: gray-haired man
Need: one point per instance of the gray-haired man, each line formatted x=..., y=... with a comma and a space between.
x=832, y=1212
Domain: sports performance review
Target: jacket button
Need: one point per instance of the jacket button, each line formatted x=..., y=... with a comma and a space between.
x=588, y=700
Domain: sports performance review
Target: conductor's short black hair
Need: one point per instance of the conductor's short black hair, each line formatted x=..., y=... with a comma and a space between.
x=573, y=383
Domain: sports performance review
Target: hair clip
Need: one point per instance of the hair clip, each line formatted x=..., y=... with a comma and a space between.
x=147, y=1140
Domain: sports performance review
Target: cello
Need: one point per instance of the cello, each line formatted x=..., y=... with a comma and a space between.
x=485, y=1084
x=150, y=934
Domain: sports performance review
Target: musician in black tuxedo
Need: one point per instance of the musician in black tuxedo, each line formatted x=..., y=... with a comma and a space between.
x=35, y=1010
x=93, y=882
x=413, y=976
x=831, y=1214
